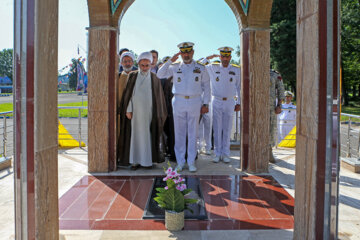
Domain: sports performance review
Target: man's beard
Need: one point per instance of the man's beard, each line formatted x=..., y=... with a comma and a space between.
x=144, y=72
x=187, y=60
x=225, y=63
x=127, y=69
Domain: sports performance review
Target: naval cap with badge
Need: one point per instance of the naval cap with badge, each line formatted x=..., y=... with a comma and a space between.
x=225, y=51
x=165, y=59
x=289, y=94
x=185, y=47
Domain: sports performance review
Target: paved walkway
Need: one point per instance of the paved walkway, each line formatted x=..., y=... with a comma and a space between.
x=73, y=167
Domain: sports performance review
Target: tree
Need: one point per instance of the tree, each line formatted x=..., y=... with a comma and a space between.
x=283, y=40
x=6, y=63
x=73, y=74
x=350, y=46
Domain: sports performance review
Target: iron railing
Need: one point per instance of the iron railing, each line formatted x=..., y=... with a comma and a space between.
x=76, y=127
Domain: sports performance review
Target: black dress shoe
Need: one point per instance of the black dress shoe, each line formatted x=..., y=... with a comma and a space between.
x=134, y=167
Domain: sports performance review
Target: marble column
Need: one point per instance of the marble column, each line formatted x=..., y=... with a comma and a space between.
x=255, y=74
x=36, y=120
x=317, y=141
x=101, y=96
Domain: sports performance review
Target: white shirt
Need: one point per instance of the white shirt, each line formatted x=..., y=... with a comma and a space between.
x=188, y=79
x=225, y=81
x=286, y=114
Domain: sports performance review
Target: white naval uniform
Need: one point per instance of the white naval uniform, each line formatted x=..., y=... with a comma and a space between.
x=287, y=120
x=204, y=135
x=225, y=85
x=191, y=82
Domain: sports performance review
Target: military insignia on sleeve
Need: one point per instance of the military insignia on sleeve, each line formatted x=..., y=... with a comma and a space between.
x=231, y=79
x=232, y=73
x=179, y=80
x=217, y=79
x=197, y=70
x=196, y=79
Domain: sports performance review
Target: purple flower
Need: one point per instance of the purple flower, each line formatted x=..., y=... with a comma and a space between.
x=165, y=178
x=169, y=170
x=166, y=188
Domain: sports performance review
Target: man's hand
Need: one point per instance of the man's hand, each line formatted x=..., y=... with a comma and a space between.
x=278, y=110
x=129, y=115
x=204, y=109
x=237, y=108
x=212, y=56
x=175, y=57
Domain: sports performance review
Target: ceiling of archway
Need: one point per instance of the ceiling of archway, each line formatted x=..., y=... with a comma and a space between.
x=245, y=5
x=115, y=4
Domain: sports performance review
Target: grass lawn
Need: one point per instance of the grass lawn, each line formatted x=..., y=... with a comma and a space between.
x=353, y=108
x=5, y=107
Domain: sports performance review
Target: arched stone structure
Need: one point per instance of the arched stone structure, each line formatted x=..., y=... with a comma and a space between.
x=35, y=46
x=255, y=55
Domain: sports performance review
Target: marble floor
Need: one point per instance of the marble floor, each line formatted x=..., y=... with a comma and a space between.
x=234, y=202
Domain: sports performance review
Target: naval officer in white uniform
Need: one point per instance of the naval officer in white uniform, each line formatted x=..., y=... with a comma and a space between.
x=225, y=86
x=191, y=89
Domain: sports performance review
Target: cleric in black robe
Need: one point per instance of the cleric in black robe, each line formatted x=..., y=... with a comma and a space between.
x=156, y=120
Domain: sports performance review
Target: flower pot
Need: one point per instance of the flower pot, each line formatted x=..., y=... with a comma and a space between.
x=174, y=221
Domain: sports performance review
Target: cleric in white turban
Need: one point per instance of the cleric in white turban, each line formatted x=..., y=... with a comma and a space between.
x=142, y=116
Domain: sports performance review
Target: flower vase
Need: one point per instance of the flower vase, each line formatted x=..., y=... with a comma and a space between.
x=174, y=221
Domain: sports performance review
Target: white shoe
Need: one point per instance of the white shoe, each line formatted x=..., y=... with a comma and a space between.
x=216, y=159
x=207, y=152
x=226, y=159
x=179, y=167
x=192, y=168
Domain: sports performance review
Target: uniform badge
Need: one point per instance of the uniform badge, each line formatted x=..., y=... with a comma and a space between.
x=179, y=71
x=179, y=79
x=197, y=70
x=217, y=79
x=196, y=79
x=217, y=72
x=231, y=79
x=231, y=73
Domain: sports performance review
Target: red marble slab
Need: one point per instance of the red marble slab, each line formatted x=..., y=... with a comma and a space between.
x=214, y=204
x=101, y=205
x=82, y=203
x=232, y=202
x=120, y=207
x=136, y=210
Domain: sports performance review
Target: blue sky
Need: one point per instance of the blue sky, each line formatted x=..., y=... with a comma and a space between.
x=148, y=24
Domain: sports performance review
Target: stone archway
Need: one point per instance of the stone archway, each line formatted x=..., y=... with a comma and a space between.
x=255, y=54
x=35, y=46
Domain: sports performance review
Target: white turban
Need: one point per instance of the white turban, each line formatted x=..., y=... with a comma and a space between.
x=145, y=55
x=126, y=54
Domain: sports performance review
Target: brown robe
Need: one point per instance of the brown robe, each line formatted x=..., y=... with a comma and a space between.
x=158, y=119
x=120, y=86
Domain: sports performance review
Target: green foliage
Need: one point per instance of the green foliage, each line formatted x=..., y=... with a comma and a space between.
x=6, y=63
x=350, y=46
x=283, y=41
x=172, y=199
x=73, y=74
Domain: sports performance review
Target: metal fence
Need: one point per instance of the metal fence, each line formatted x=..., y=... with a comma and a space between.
x=6, y=134
x=77, y=127
x=350, y=136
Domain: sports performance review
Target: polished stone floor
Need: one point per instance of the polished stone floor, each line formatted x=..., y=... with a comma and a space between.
x=232, y=202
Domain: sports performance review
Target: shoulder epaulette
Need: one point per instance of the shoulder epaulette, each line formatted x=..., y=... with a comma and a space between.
x=175, y=63
x=238, y=66
x=200, y=63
